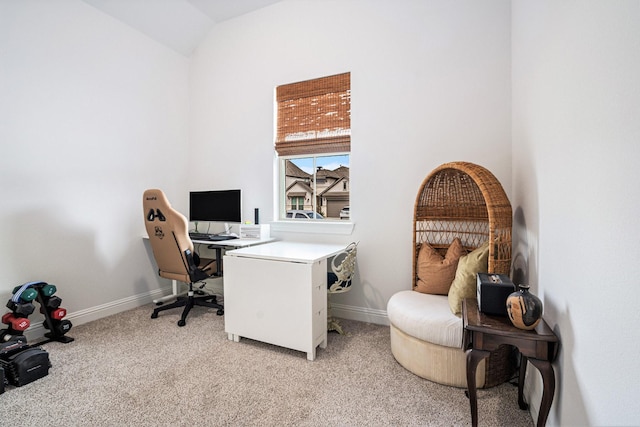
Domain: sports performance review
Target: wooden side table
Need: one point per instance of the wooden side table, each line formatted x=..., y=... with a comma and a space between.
x=484, y=334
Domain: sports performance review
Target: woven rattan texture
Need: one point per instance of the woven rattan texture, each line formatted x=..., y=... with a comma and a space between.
x=465, y=200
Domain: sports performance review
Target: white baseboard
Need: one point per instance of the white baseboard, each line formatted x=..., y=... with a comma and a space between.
x=362, y=314
x=37, y=330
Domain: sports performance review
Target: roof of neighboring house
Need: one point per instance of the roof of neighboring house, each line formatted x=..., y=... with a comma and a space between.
x=342, y=171
x=326, y=173
x=301, y=184
x=294, y=171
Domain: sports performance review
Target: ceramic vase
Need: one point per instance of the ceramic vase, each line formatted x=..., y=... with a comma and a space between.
x=524, y=308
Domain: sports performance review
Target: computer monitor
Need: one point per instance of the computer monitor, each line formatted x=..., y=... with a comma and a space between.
x=215, y=206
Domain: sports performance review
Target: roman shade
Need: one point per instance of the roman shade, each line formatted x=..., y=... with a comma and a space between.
x=314, y=116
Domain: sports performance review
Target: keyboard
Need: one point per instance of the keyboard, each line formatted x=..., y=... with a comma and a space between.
x=210, y=237
x=220, y=237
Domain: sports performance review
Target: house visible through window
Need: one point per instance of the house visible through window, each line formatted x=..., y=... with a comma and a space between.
x=313, y=143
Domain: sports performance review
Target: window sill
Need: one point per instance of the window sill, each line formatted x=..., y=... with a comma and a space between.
x=315, y=227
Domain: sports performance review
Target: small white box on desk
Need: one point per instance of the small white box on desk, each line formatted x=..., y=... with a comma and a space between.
x=260, y=231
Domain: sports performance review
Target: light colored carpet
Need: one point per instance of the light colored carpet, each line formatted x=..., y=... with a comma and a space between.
x=128, y=370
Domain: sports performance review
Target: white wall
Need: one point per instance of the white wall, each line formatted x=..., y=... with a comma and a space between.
x=430, y=84
x=94, y=112
x=91, y=113
x=576, y=151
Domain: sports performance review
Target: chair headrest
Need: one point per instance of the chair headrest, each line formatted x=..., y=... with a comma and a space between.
x=155, y=197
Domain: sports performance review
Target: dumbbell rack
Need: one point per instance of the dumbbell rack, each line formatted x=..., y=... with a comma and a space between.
x=56, y=330
x=53, y=315
x=21, y=363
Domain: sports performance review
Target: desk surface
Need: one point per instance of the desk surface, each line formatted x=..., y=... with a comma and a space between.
x=235, y=243
x=290, y=251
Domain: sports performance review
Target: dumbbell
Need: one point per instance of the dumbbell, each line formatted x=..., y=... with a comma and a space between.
x=48, y=290
x=53, y=303
x=50, y=304
x=59, y=327
x=26, y=295
x=22, y=309
x=58, y=313
x=16, y=323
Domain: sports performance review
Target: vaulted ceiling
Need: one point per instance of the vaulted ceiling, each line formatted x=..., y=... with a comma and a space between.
x=179, y=24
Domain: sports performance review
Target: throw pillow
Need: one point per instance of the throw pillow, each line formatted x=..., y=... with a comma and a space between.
x=436, y=273
x=464, y=283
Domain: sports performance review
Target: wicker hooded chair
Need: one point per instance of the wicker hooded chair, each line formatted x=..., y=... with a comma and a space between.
x=463, y=200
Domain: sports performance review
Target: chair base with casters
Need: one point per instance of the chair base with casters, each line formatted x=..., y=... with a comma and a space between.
x=178, y=294
x=188, y=303
x=196, y=274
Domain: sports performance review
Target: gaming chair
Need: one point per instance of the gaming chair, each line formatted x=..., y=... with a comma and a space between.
x=173, y=251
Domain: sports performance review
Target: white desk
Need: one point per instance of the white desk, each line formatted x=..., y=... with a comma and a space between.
x=277, y=293
x=218, y=246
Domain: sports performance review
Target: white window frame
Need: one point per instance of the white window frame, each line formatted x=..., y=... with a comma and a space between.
x=316, y=226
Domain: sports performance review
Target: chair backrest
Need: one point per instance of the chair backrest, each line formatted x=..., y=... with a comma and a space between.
x=168, y=232
x=343, y=267
x=465, y=200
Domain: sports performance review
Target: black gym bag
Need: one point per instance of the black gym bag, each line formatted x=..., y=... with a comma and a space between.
x=1, y=380
x=26, y=366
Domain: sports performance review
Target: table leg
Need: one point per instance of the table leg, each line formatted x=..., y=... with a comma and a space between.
x=311, y=355
x=548, y=388
x=473, y=358
x=523, y=371
x=173, y=295
x=218, y=272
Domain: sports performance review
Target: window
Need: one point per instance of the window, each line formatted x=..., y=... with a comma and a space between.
x=297, y=202
x=313, y=143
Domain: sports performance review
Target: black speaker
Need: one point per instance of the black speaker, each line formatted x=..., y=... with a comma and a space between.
x=256, y=216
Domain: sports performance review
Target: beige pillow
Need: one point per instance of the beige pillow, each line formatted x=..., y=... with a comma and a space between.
x=464, y=283
x=435, y=273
